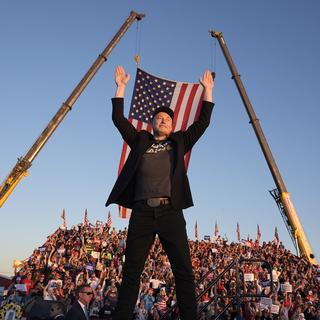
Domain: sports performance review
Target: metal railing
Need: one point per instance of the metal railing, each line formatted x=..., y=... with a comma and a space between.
x=237, y=298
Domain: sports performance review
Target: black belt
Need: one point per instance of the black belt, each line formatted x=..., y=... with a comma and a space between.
x=156, y=202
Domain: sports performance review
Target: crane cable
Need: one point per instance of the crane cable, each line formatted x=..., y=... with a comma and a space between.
x=213, y=55
x=138, y=43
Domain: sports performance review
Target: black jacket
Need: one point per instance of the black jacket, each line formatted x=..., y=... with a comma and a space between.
x=123, y=190
x=76, y=312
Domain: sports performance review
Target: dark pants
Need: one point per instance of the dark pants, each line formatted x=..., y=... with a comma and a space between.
x=169, y=224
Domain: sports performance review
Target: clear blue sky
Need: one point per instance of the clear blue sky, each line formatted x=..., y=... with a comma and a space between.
x=46, y=48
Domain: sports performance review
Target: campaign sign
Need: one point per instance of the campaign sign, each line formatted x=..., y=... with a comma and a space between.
x=248, y=277
x=286, y=287
x=21, y=287
x=95, y=254
x=275, y=309
x=266, y=302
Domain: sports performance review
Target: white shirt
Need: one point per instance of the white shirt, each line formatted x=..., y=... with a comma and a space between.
x=84, y=308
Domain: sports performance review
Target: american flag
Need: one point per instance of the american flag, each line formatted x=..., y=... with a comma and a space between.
x=151, y=92
x=276, y=236
x=216, y=230
x=85, y=219
x=64, y=219
x=109, y=220
x=258, y=233
x=196, y=230
x=238, y=232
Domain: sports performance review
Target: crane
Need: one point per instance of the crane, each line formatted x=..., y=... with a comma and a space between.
x=280, y=194
x=20, y=170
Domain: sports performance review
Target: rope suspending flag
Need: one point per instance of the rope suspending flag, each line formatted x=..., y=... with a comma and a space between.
x=151, y=92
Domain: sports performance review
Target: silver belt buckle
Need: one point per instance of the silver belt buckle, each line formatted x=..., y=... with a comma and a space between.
x=154, y=202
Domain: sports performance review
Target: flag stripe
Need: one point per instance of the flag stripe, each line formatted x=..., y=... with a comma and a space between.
x=180, y=92
x=199, y=96
x=149, y=127
x=198, y=100
x=182, y=110
x=139, y=125
x=109, y=220
x=187, y=109
x=124, y=212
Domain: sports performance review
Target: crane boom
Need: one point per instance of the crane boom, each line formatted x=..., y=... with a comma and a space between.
x=24, y=163
x=282, y=196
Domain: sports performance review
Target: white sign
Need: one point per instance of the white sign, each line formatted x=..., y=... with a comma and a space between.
x=95, y=254
x=266, y=302
x=286, y=287
x=248, y=277
x=275, y=309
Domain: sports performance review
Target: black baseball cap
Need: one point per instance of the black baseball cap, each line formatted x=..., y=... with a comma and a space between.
x=166, y=110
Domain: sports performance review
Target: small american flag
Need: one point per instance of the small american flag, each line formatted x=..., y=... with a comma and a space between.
x=85, y=219
x=258, y=233
x=216, y=230
x=276, y=236
x=64, y=219
x=151, y=92
x=238, y=232
x=109, y=220
x=196, y=230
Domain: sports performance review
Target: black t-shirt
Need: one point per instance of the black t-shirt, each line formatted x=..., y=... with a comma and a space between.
x=153, y=176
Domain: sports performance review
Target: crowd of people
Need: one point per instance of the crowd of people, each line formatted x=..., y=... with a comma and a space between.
x=94, y=255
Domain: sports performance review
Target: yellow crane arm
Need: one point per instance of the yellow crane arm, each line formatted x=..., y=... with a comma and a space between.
x=281, y=195
x=23, y=164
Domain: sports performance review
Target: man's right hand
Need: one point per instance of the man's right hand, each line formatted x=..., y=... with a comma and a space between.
x=121, y=77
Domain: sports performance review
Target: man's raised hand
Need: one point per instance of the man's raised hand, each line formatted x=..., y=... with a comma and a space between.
x=121, y=77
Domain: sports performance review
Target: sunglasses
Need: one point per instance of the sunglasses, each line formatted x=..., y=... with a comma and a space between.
x=87, y=293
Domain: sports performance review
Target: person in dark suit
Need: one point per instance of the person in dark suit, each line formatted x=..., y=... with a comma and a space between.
x=79, y=310
x=154, y=183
